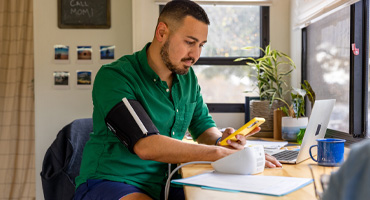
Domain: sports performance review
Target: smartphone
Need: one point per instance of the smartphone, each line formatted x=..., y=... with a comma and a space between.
x=244, y=130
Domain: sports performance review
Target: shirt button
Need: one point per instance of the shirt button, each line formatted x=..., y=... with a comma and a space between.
x=167, y=90
x=177, y=110
x=155, y=80
x=173, y=133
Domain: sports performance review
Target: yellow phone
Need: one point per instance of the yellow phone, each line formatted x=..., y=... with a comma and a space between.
x=244, y=130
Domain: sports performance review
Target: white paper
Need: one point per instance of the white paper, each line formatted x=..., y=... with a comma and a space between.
x=267, y=144
x=269, y=185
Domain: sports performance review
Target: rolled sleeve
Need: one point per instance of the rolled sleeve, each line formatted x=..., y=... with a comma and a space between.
x=201, y=120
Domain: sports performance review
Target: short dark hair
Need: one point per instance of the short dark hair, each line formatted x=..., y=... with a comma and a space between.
x=177, y=10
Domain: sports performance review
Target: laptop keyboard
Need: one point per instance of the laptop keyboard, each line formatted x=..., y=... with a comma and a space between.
x=286, y=155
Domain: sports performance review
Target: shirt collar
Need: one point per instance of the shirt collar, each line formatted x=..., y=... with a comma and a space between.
x=143, y=60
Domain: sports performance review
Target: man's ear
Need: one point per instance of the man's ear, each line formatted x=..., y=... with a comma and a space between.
x=161, y=32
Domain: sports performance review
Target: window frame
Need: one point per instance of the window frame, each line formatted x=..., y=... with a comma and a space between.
x=264, y=41
x=359, y=28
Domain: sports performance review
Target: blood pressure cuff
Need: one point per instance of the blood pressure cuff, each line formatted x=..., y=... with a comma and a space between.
x=129, y=121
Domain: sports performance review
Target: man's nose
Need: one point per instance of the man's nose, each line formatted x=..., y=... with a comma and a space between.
x=195, y=52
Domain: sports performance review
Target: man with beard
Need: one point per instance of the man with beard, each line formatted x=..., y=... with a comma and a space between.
x=161, y=79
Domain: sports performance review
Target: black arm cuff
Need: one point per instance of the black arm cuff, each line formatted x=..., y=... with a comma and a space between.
x=129, y=121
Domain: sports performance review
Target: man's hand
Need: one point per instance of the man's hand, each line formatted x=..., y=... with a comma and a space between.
x=271, y=162
x=241, y=140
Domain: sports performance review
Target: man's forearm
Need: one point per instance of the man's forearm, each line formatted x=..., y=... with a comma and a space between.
x=165, y=149
x=209, y=136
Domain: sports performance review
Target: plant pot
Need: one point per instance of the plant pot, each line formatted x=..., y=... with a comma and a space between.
x=262, y=109
x=290, y=127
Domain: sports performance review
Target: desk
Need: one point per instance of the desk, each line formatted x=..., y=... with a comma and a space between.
x=298, y=170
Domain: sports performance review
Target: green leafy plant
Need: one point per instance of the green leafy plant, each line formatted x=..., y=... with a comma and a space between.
x=297, y=108
x=270, y=72
x=300, y=135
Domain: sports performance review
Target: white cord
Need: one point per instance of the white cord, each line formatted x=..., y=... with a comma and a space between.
x=167, y=187
x=169, y=168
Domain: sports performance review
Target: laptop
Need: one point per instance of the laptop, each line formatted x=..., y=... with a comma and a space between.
x=316, y=129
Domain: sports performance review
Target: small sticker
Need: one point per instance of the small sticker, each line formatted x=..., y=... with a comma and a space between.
x=355, y=50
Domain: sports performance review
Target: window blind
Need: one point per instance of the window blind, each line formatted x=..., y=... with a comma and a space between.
x=310, y=11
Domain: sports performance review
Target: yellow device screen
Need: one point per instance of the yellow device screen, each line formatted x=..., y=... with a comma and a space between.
x=244, y=130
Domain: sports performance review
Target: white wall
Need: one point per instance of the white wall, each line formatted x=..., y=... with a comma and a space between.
x=133, y=23
x=56, y=108
x=224, y=120
x=280, y=25
x=145, y=14
x=295, y=43
x=280, y=32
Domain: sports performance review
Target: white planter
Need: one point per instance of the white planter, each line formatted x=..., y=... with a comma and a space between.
x=290, y=127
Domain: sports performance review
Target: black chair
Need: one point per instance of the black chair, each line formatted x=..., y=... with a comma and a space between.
x=62, y=160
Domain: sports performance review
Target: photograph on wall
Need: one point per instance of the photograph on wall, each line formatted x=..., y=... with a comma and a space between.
x=84, y=54
x=61, y=54
x=107, y=52
x=83, y=79
x=61, y=79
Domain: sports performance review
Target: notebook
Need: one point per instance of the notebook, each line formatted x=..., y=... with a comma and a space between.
x=316, y=129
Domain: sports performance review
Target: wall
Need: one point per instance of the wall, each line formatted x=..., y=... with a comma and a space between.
x=145, y=14
x=280, y=25
x=56, y=108
x=295, y=43
x=133, y=24
x=280, y=33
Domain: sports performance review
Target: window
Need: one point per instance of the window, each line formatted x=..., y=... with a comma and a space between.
x=328, y=64
x=231, y=29
x=229, y=81
x=334, y=71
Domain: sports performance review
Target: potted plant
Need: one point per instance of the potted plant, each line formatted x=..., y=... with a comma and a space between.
x=271, y=70
x=295, y=121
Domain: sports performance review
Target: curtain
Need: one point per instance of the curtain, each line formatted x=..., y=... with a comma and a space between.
x=17, y=157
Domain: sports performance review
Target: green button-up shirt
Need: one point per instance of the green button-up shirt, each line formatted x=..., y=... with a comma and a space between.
x=174, y=112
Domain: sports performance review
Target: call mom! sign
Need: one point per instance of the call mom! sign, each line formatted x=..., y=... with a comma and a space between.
x=85, y=14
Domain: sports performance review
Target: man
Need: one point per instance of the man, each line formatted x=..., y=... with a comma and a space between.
x=161, y=79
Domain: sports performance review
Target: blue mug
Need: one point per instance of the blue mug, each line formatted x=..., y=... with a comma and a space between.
x=330, y=152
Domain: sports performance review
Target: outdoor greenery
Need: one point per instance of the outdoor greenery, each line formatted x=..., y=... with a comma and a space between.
x=231, y=28
x=225, y=39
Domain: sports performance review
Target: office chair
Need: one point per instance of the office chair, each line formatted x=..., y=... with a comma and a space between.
x=62, y=160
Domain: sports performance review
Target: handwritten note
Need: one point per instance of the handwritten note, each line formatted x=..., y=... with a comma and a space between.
x=82, y=13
